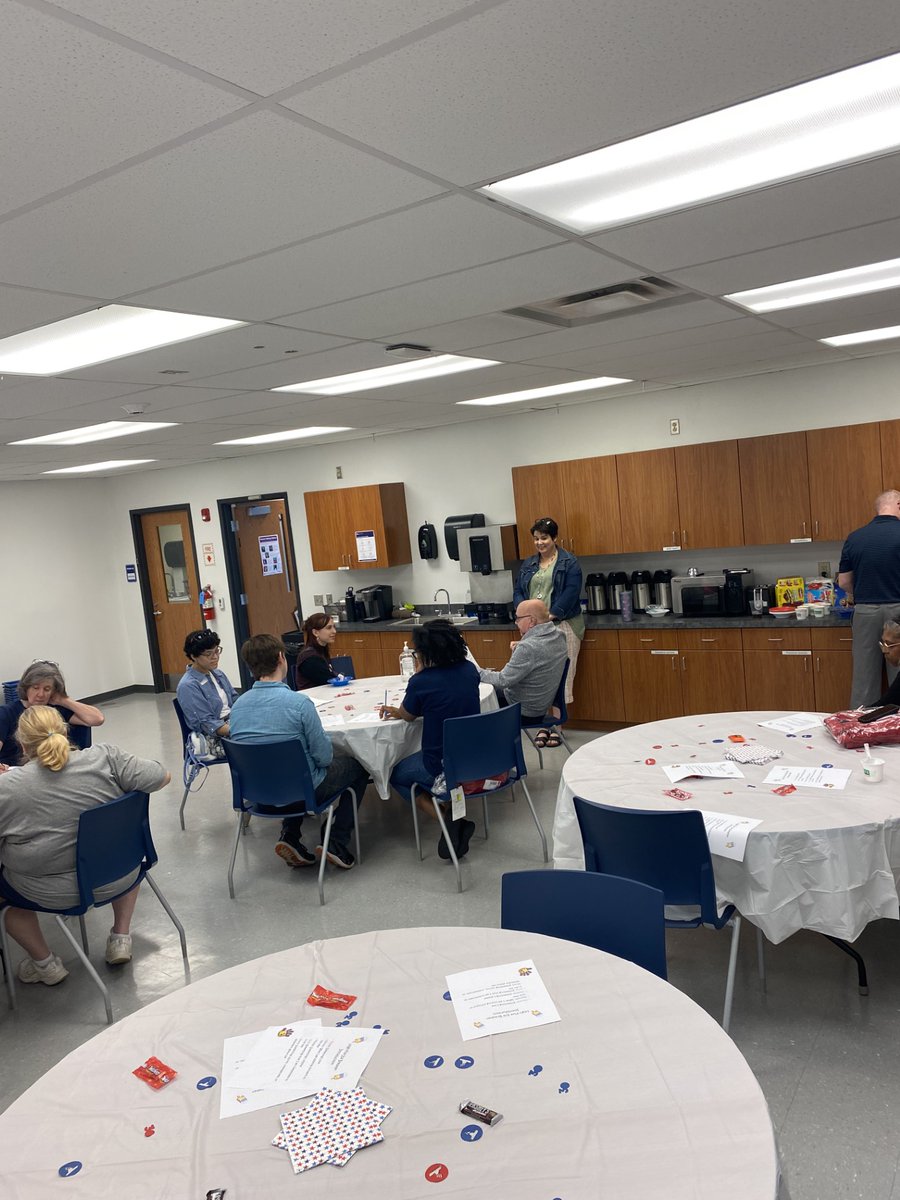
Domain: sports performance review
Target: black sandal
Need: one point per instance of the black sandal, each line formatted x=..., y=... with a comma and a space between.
x=542, y=738
x=553, y=740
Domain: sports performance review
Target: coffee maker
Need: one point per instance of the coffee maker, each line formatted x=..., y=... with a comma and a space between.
x=377, y=602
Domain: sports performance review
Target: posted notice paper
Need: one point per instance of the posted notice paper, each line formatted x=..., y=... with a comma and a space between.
x=727, y=834
x=712, y=770
x=499, y=999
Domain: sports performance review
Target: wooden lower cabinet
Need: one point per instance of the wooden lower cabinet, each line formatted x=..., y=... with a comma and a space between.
x=490, y=647
x=365, y=650
x=598, y=679
x=712, y=681
x=779, y=679
x=651, y=683
x=832, y=651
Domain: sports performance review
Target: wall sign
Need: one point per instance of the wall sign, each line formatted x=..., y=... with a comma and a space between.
x=130, y=573
x=208, y=551
x=365, y=545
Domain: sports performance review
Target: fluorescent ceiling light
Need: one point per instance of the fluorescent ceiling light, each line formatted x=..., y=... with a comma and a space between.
x=845, y=117
x=857, y=281
x=557, y=389
x=100, y=336
x=112, y=465
x=287, y=435
x=94, y=433
x=379, y=377
x=865, y=335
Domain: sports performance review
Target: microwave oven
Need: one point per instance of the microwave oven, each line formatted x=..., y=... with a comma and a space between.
x=717, y=595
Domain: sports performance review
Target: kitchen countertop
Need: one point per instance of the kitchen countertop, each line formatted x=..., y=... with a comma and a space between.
x=639, y=621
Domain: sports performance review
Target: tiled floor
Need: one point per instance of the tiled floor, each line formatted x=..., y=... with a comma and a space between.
x=828, y=1059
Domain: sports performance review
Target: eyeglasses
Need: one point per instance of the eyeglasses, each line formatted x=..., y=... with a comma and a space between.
x=524, y=617
x=215, y=652
x=888, y=645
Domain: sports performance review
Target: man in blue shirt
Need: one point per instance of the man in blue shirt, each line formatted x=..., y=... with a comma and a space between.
x=870, y=571
x=271, y=712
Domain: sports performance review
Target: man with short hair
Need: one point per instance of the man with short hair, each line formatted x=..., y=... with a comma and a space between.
x=869, y=570
x=534, y=670
x=271, y=712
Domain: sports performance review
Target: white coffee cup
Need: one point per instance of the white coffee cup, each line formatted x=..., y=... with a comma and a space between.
x=873, y=770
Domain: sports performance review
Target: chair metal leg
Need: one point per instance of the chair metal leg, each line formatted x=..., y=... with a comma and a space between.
x=4, y=948
x=732, y=969
x=487, y=825
x=89, y=967
x=537, y=819
x=237, y=838
x=415, y=817
x=761, y=957
x=862, y=977
x=187, y=792
x=564, y=742
x=326, y=842
x=355, y=804
x=449, y=841
x=84, y=936
x=178, y=925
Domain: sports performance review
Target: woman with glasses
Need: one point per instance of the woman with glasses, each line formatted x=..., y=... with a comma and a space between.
x=890, y=648
x=205, y=693
x=41, y=683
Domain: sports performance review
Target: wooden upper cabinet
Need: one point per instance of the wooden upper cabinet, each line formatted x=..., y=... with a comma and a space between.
x=593, y=523
x=774, y=488
x=845, y=476
x=334, y=518
x=709, y=495
x=648, y=500
x=890, y=455
x=538, y=492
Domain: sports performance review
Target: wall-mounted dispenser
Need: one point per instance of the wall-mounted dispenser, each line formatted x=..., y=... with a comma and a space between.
x=452, y=526
x=487, y=548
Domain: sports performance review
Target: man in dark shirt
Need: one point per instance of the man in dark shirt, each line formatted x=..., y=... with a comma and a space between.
x=870, y=571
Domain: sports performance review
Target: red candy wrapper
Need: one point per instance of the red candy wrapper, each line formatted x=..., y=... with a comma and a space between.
x=155, y=1072
x=784, y=790
x=322, y=998
x=736, y=737
x=678, y=794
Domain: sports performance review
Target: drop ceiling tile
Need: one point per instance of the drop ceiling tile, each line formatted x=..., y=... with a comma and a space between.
x=529, y=82
x=468, y=334
x=353, y=356
x=259, y=182
x=34, y=397
x=74, y=104
x=842, y=316
x=514, y=281
x=269, y=44
x=22, y=308
x=826, y=203
x=814, y=256
x=444, y=235
x=786, y=362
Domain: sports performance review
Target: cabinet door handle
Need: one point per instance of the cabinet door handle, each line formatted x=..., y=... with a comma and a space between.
x=817, y=528
x=675, y=664
x=803, y=527
x=650, y=640
x=806, y=665
x=683, y=538
x=572, y=545
x=818, y=664
x=683, y=663
x=709, y=639
x=775, y=639
x=674, y=535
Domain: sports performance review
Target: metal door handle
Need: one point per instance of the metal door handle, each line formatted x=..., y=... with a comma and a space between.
x=157, y=612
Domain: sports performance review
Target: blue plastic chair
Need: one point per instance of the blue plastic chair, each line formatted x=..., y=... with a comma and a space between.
x=192, y=764
x=343, y=665
x=114, y=840
x=548, y=722
x=80, y=736
x=668, y=851
x=272, y=779
x=477, y=747
x=617, y=915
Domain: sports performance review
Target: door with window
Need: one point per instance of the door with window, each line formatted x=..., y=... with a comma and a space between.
x=171, y=588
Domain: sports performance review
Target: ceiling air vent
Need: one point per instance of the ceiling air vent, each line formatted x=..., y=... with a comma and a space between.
x=601, y=303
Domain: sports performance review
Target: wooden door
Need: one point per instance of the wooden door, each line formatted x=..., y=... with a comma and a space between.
x=651, y=683
x=712, y=681
x=709, y=495
x=268, y=577
x=844, y=478
x=890, y=455
x=173, y=585
x=648, y=500
x=593, y=521
x=538, y=492
x=328, y=525
x=598, y=680
x=779, y=679
x=774, y=489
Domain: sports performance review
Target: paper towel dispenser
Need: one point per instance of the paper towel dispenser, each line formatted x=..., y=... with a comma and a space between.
x=452, y=526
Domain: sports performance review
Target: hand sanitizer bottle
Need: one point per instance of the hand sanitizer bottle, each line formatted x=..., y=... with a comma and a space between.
x=407, y=662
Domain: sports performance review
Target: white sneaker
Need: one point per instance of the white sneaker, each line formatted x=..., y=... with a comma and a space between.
x=54, y=972
x=118, y=949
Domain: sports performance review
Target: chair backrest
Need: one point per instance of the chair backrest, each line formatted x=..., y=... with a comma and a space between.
x=80, y=736
x=269, y=775
x=482, y=745
x=666, y=850
x=617, y=915
x=113, y=840
x=343, y=665
x=185, y=728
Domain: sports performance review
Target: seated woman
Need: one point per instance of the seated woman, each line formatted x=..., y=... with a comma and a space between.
x=204, y=692
x=41, y=683
x=39, y=809
x=890, y=648
x=313, y=666
x=445, y=685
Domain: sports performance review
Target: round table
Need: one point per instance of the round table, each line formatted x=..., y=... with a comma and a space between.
x=349, y=714
x=828, y=861
x=658, y=1103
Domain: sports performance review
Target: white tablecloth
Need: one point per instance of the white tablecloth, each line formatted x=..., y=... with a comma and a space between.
x=378, y=745
x=822, y=860
x=660, y=1104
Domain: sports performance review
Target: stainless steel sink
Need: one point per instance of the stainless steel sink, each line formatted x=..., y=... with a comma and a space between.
x=454, y=620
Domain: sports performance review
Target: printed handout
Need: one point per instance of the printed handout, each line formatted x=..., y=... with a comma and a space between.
x=794, y=723
x=727, y=833
x=499, y=999
x=831, y=778
x=711, y=770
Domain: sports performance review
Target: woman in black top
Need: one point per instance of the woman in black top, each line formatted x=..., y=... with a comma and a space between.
x=313, y=665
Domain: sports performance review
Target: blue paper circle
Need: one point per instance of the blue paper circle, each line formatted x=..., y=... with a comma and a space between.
x=207, y=1081
x=827, y=766
x=471, y=1133
x=70, y=1168
x=432, y=1061
x=465, y=1062
x=446, y=996
x=716, y=741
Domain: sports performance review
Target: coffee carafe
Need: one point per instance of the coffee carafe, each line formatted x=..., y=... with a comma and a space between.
x=662, y=588
x=640, y=590
x=616, y=584
x=595, y=589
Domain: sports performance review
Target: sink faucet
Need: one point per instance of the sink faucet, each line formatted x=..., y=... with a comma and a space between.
x=447, y=594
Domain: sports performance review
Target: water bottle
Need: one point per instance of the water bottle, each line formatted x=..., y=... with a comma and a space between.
x=625, y=606
x=407, y=662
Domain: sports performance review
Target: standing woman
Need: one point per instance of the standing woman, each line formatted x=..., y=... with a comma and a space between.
x=41, y=683
x=554, y=576
x=313, y=662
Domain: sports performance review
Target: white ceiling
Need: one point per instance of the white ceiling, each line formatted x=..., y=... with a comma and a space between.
x=312, y=169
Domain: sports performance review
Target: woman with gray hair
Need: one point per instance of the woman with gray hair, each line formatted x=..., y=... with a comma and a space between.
x=41, y=683
x=890, y=648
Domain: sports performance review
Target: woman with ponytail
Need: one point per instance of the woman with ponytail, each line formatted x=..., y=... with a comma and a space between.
x=40, y=804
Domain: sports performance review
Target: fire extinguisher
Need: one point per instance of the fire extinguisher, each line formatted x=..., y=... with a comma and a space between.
x=207, y=604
